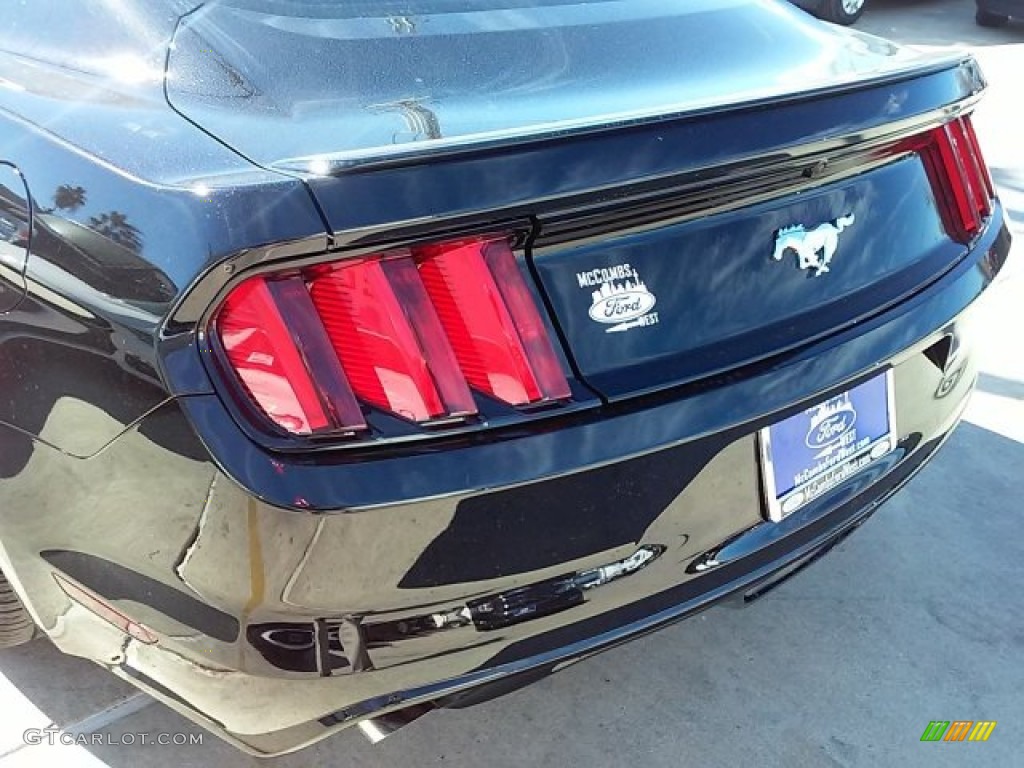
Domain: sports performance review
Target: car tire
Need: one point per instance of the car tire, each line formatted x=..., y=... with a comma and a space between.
x=16, y=625
x=843, y=12
x=989, y=19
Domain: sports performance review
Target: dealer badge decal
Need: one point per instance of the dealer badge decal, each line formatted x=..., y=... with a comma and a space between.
x=620, y=298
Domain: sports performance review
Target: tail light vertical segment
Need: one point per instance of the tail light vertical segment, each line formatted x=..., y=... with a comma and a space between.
x=489, y=315
x=958, y=176
x=274, y=344
x=979, y=158
x=976, y=170
x=546, y=367
x=412, y=297
x=950, y=149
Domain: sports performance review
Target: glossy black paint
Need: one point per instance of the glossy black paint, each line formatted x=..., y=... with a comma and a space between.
x=656, y=157
x=1009, y=8
x=15, y=233
x=472, y=73
x=296, y=588
x=710, y=276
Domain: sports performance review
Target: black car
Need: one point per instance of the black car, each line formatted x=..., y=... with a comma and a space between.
x=996, y=13
x=363, y=358
x=837, y=11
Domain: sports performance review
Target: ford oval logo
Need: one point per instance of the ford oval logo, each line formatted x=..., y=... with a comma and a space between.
x=824, y=432
x=623, y=306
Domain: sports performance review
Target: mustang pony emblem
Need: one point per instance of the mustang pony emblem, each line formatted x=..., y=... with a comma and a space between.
x=814, y=247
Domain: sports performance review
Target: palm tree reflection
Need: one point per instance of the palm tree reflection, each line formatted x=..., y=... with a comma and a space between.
x=115, y=226
x=68, y=198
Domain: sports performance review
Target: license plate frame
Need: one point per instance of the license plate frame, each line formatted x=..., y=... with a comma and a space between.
x=831, y=440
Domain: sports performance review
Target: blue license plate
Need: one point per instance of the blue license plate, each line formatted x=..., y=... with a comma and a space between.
x=815, y=450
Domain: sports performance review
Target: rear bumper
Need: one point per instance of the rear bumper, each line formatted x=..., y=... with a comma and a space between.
x=514, y=661
x=279, y=625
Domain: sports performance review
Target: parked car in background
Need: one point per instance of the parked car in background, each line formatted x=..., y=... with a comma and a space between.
x=838, y=11
x=996, y=13
x=364, y=358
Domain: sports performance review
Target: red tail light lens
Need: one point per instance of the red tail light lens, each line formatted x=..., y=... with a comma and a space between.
x=272, y=340
x=389, y=340
x=408, y=332
x=978, y=175
x=958, y=175
x=489, y=315
x=533, y=335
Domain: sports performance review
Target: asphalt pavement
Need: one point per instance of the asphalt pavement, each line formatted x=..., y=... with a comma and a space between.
x=917, y=617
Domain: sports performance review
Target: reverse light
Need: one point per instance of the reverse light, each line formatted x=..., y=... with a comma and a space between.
x=410, y=332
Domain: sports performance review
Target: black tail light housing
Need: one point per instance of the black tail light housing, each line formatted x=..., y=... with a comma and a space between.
x=418, y=333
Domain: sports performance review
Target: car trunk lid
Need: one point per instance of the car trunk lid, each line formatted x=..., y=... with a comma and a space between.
x=315, y=86
x=695, y=293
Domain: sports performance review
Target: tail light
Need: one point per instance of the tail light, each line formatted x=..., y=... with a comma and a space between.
x=410, y=332
x=488, y=313
x=958, y=176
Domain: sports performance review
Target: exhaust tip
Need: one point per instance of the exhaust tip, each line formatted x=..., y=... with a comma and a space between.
x=376, y=729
